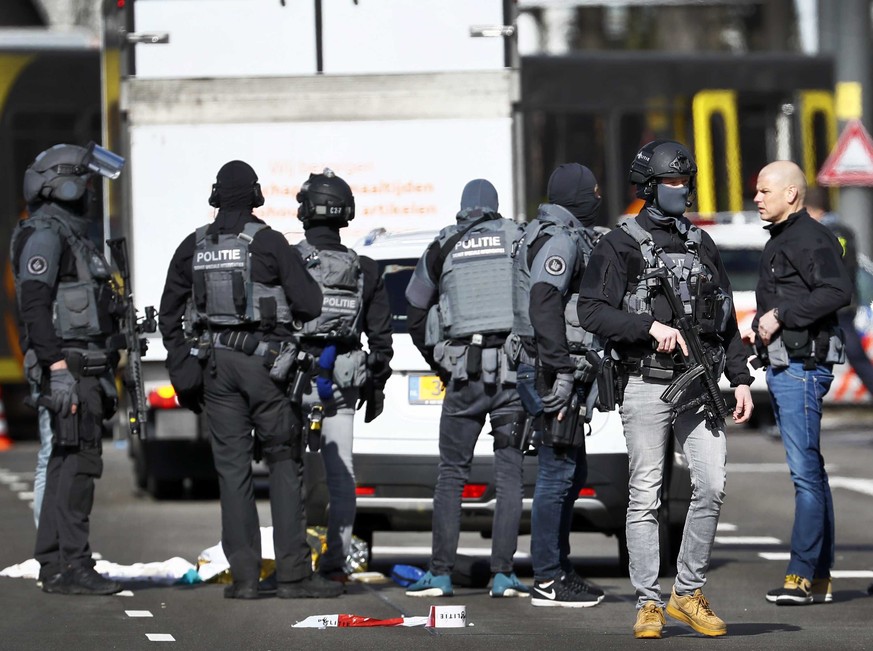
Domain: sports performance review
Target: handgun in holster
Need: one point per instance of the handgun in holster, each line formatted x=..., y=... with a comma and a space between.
x=301, y=370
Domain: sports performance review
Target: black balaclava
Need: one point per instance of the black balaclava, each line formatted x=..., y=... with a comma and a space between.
x=574, y=187
x=236, y=181
x=479, y=193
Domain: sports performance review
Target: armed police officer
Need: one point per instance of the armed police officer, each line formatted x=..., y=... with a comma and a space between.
x=460, y=315
x=555, y=375
x=69, y=311
x=653, y=274
x=803, y=283
x=240, y=286
x=355, y=303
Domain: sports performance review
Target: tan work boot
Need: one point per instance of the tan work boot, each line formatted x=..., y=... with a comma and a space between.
x=822, y=591
x=694, y=610
x=650, y=621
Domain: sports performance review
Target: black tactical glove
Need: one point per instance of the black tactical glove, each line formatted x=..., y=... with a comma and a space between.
x=63, y=392
x=560, y=394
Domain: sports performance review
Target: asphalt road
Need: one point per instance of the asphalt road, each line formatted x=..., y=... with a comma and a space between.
x=748, y=560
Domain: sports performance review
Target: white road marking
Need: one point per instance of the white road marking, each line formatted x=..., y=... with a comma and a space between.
x=25, y=495
x=138, y=613
x=864, y=486
x=775, y=556
x=726, y=526
x=747, y=540
x=7, y=477
x=124, y=593
x=160, y=637
x=426, y=551
x=851, y=574
x=18, y=486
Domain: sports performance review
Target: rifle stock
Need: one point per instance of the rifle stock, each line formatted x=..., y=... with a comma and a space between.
x=133, y=328
x=698, y=362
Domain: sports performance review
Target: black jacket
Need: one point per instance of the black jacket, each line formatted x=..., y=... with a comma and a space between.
x=802, y=275
x=377, y=309
x=616, y=264
x=274, y=262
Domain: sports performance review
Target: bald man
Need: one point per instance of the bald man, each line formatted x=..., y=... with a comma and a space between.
x=802, y=283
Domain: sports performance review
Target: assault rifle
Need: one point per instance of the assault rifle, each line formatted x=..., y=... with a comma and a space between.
x=133, y=329
x=698, y=362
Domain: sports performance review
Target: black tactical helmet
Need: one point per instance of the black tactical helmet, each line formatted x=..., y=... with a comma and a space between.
x=62, y=172
x=661, y=159
x=326, y=199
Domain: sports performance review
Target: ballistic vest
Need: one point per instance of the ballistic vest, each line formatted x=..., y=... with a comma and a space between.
x=579, y=340
x=341, y=279
x=223, y=292
x=477, y=280
x=81, y=309
x=691, y=280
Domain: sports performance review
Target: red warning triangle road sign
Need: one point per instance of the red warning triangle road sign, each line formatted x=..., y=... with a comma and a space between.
x=851, y=161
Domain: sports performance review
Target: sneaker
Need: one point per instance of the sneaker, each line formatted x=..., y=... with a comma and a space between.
x=80, y=580
x=562, y=592
x=822, y=591
x=241, y=590
x=431, y=585
x=582, y=584
x=508, y=585
x=650, y=621
x=694, y=610
x=314, y=586
x=796, y=591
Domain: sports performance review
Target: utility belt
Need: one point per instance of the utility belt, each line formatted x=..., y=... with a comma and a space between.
x=246, y=342
x=87, y=362
x=825, y=347
x=656, y=366
x=474, y=361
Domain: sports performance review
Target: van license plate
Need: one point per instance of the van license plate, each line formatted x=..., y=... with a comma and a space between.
x=425, y=390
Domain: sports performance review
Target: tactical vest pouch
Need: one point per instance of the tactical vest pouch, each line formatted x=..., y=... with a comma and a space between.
x=657, y=366
x=280, y=371
x=87, y=363
x=505, y=367
x=452, y=358
x=434, y=331
x=578, y=339
x=798, y=343
x=67, y=432
x=712, y=308
x=777, y=353
x=836, y=353
x=490, y=365
x=350, y=369
x=76, y=311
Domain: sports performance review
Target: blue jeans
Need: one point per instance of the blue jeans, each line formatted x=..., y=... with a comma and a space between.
x=463, y=416
x=797, y=396
x=560, y=477
x=648, y=423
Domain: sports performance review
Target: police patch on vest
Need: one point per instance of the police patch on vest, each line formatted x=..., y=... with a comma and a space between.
x=555, y=265
x=225, y=258
x=37, y=265
x=481, y=247
x=340, y=304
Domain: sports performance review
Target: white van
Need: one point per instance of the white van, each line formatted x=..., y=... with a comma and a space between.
x=397, y=455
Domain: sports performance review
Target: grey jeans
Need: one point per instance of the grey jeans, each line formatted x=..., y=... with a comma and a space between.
x=647, y=424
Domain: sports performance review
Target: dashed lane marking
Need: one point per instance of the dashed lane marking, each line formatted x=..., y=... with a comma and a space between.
x=124, y=593
x=864, y=486
x=747, y=540
x=160, y=637
x=852, y=574
x=725, y=526
x=138, y=613
x=25, y=495
x=426, y=551
x=18, y=486
x=775, y=556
